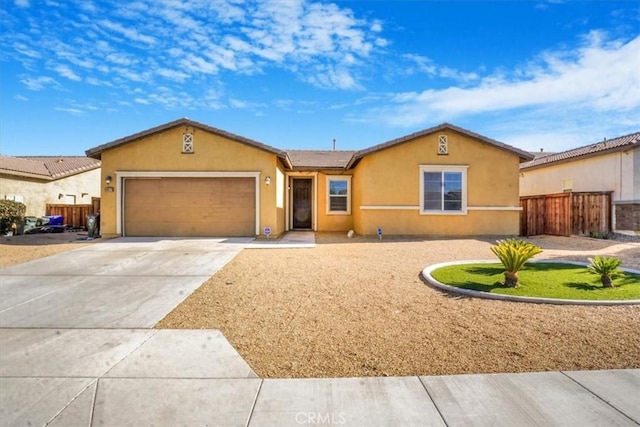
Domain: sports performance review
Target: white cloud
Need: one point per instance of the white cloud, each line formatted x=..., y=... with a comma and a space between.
x=134, y=75
x=21, y=98
x=38, y=83
x=334, y=78
x=141, y=101
x=67, y=72
x=323, y=44
x=178, y=76
x=22, y=3
x=245, y=105
x=417, y=64
x=130, y=33
x=97, y=82
x=599, y=75
x=196, y=64
x=121, y=58
x=74, y=111
x=25, y=50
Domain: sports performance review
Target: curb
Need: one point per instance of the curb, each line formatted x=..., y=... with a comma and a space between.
x=426, y=274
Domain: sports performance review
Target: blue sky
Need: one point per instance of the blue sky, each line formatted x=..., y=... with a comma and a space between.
x=296, y=74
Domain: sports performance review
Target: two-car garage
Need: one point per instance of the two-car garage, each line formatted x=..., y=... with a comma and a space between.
x=188, y=206
x=188, y=179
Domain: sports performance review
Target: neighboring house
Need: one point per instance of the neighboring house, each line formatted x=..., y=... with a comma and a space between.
x=40, y=180
x=188, y=179
x=610, y=165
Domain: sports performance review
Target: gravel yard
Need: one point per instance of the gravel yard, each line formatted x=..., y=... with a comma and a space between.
x=359, y=308
x=18, y=249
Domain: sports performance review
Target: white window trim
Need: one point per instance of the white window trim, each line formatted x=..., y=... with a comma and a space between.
x=346, y=178
x=443, y=168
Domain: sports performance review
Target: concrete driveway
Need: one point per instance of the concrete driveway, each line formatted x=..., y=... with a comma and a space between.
x=120, y=283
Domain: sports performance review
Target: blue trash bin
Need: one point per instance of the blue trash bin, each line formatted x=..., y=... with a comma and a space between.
x=54, y=219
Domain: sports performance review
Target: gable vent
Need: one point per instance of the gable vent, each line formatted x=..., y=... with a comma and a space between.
x=187, y=143
x=443, y=145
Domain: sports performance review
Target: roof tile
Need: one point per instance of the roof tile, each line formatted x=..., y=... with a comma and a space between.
x=320, y=159
x=46, y=167
x=602, y=147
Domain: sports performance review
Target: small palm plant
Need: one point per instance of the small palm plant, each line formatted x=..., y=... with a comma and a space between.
x=513, y=254
x=606, y=268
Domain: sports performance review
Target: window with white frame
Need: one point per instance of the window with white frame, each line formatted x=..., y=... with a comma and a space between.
x=443, y=189
x=339, y=195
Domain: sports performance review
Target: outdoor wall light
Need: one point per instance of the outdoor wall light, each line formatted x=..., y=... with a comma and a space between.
x=108, y=179
x=267, y=180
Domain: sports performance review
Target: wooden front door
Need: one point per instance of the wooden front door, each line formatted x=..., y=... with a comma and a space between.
x=301, y=209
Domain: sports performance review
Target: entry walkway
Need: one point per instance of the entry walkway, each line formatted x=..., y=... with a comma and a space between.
x=291, y=239
x=133, y=377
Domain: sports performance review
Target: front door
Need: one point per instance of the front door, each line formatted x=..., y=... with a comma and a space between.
x=301, y=210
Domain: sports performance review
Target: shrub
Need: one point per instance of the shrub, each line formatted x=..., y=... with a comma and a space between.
x=606, y=268
x=11, y=212
x=513, y=254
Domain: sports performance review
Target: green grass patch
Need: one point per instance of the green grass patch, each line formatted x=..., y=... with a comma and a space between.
x=546, y=280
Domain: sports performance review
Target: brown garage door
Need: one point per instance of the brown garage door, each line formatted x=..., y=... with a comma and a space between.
x=189, y=207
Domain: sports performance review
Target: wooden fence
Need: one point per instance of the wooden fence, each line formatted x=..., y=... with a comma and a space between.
x=75, y=215
x=564, y=214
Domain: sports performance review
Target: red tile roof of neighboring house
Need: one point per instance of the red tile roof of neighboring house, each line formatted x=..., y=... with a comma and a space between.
x=319, y=159
x=46, y=167
x=621, y=143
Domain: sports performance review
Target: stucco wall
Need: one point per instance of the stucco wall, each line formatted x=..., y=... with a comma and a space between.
x=212, y=153
x=610, y=172
x=332, y=222
x=617, y=172
x=36, y=194
x=391, y=178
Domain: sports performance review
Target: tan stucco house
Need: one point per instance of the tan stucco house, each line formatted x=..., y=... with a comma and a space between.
x=40, y=180
x=185, y=178
x=611, y=165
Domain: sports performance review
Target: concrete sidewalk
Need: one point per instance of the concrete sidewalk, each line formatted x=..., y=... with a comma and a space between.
x=132, y=377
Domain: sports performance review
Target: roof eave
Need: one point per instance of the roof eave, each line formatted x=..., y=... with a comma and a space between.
x=26, y=175
x=630, y=146
x=318, y=168
x=286, y=161
x=523, y=155
x=96, y=152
